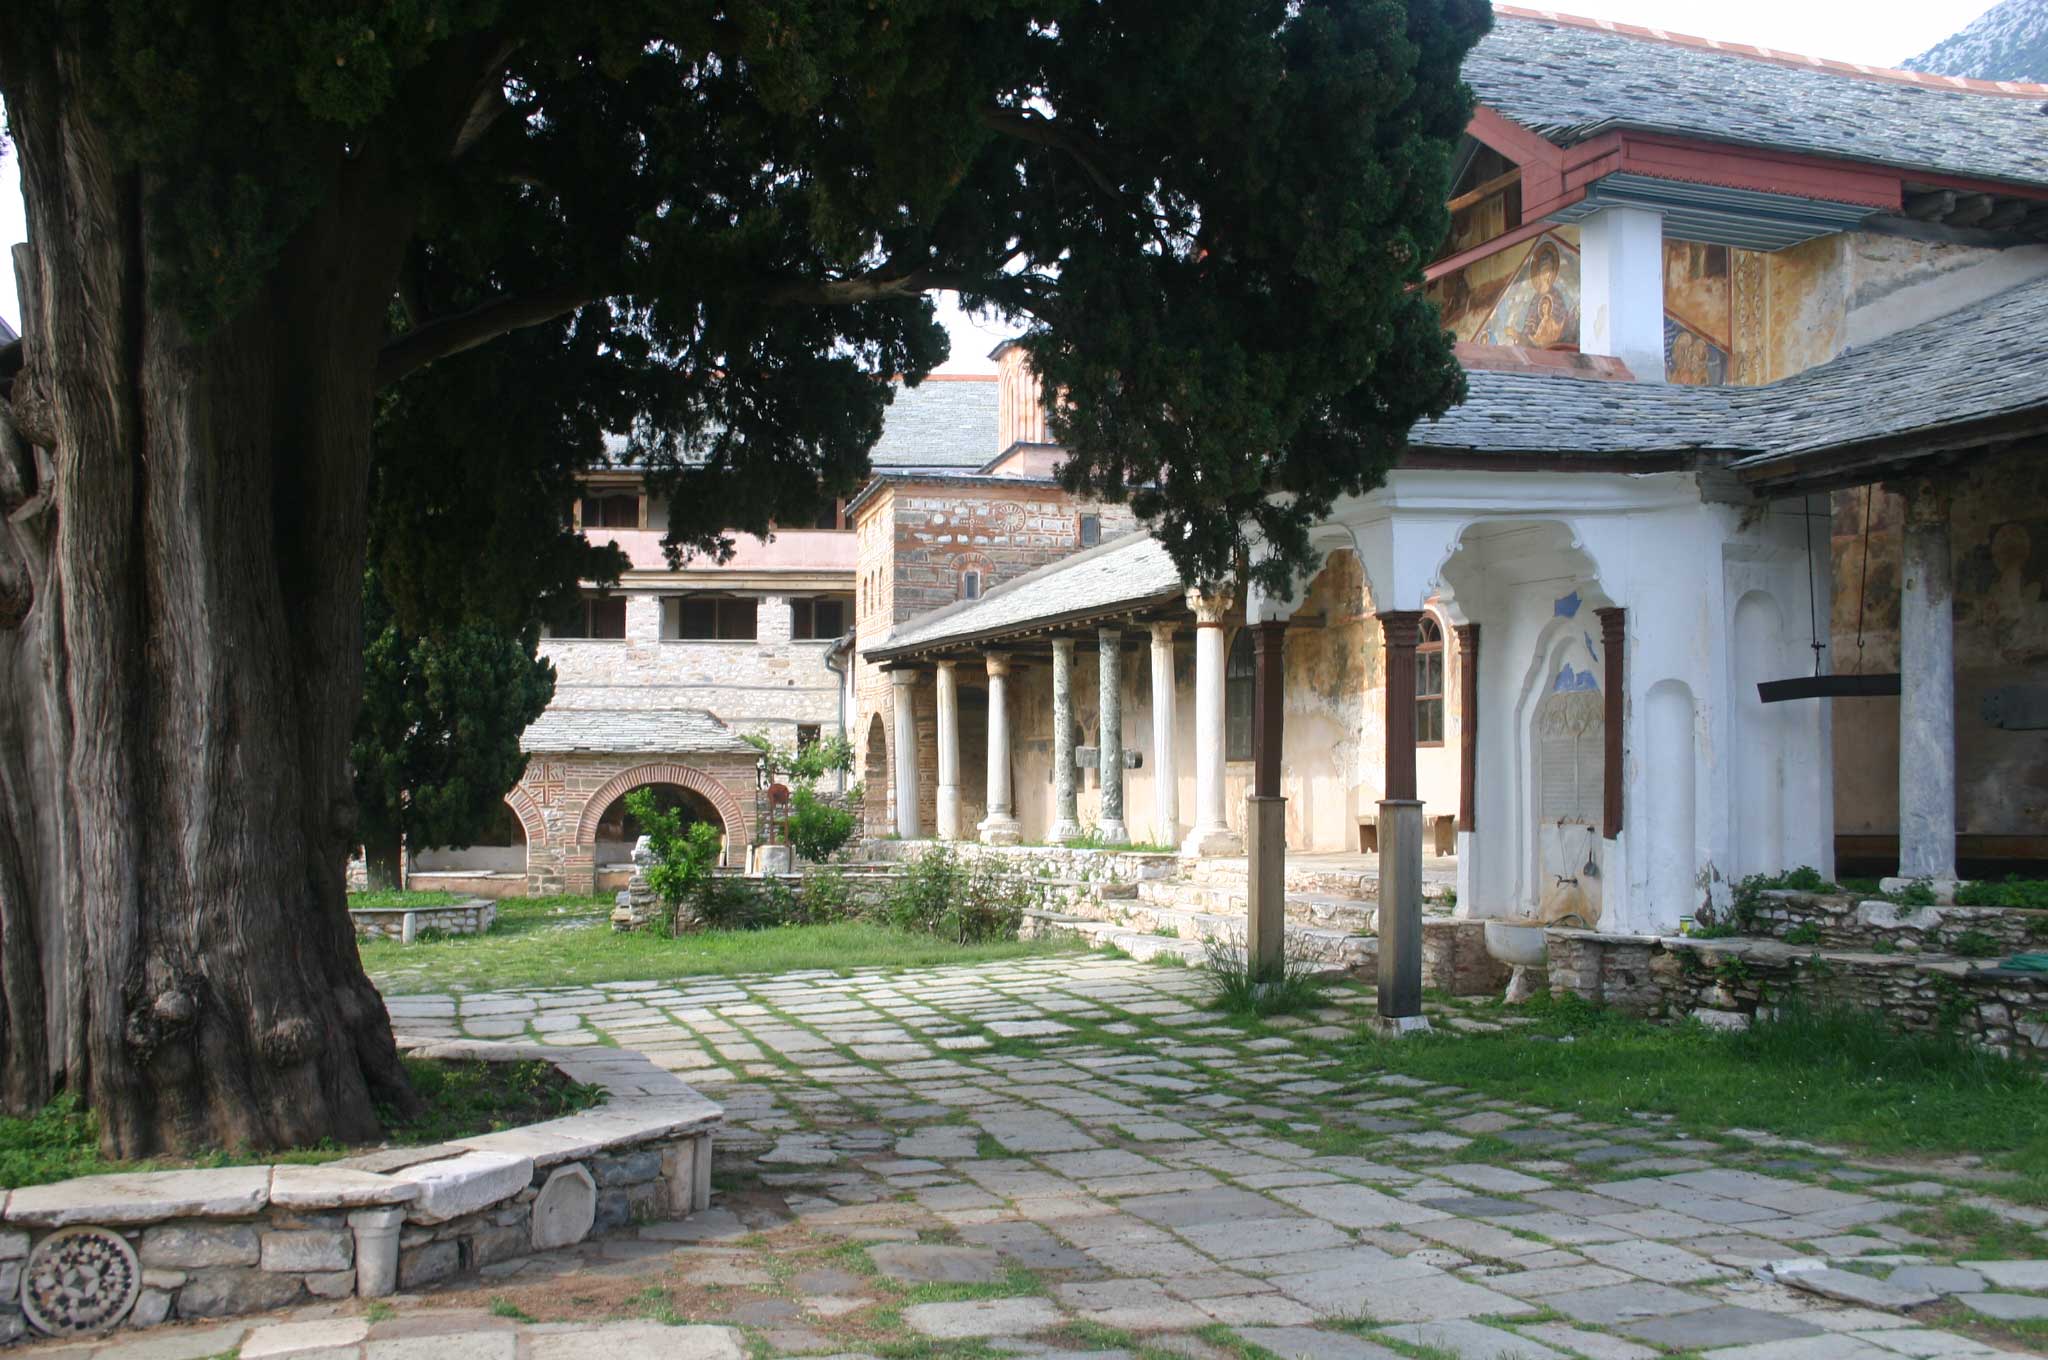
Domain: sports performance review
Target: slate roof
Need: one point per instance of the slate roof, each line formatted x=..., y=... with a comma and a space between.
x=944, y=422
x=1128, y=570
x=1554, y=413
x=626, y=731
x=1570, y=82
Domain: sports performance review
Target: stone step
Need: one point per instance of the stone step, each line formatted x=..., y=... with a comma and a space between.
x=1337, y=953
x=1346, y=949
x=1350, y=914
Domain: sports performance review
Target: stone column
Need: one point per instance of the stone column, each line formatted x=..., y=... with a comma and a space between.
x=1400, y=828
x=1165, y=769
x=949, y=753
x=1266, y=819
x=376, y=1234
x=1927, y=689
x=1211, y=833
x=1066, y=820
x=1109, y=745
x=905, y=694
x=1000, y=826
x=1621, y=288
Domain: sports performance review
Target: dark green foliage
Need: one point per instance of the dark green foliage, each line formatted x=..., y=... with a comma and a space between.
x=1918, y=893
x=437, y=737
x=683, y=856
x=1209, y=216
x=2027, y=894
x=968, y=902
x=1974, y=944
x=1805, y=933
x=817, y=830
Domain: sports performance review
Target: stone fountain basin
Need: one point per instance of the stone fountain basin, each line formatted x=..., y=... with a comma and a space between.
x=1519, y=943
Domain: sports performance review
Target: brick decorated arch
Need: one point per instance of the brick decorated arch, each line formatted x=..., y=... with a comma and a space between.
x=531, y=820
x=705, y=785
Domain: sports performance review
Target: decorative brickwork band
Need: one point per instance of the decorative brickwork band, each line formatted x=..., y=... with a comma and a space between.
x=664, y=772
x=1613, y=643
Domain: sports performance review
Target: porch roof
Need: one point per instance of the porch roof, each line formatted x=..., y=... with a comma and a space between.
x=629, y=731
x=1126, y=573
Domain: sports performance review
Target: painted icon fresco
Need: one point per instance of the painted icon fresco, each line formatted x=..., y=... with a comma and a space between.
x=1540, y=306
x=1697, y=313
x=1690, y=358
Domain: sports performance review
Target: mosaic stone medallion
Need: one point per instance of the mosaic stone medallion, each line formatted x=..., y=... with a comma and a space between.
x=80, y=1280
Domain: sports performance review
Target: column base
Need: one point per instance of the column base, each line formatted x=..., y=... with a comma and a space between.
x=1112, y=832
x=1212, y=842
x=1399, y=1026
x=1000, y=831
x=1064, y=831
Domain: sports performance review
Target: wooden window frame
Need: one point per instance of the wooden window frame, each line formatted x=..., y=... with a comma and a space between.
x=1431, y=654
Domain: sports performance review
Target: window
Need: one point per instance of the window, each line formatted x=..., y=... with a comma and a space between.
x=1429, y=684
x=705, y=618
x=1237, y=698
x=1091, y=530
x=612, y=511
x=970, y=585
x=819, y=619
x=806, y=735
x=593, y=616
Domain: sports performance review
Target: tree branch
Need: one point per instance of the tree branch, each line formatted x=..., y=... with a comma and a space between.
x=466, y=330
x=1042, y=131
x=875, y=286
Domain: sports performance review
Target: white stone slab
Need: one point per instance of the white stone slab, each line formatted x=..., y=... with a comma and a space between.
x=462, y=1185
x=336, y=1187
x=143, y=1197
x=293, y=1338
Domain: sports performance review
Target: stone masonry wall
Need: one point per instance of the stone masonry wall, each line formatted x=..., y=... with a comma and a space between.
x=405, y=923
x=1725, y=982
x=1842, y=922
x=555, y=795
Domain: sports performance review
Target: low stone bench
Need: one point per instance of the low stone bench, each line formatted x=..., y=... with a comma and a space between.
x=472, y=917
x=137, y=1249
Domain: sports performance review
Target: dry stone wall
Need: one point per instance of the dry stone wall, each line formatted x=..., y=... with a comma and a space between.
x=1848, y=922
x=473, y=917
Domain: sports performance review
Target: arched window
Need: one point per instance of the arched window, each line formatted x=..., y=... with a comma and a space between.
x=970, y=584
x=1429, y=684
x=1237, y=698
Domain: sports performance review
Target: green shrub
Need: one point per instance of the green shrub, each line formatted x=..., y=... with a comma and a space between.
x=940, y=895
x=1235, y=986
x=1974, y=944
x=817, y=829
x=1918, y=893
x=683, y=857
x=1808, y=933
x=2025, y=894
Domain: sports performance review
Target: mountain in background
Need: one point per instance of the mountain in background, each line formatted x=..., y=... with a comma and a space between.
x=2009, y=41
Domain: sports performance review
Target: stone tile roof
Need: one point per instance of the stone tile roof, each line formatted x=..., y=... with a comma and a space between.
x=1559, y=412
x=626, y=731
x=1129, y=570
x=948, y=421
x=1570, y=81
x=1981, y=361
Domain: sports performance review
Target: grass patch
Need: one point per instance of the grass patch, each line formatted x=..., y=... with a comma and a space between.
x=1016, y=1283
x=505, y=1308
x=395, y=897
x=555, y=941
x=462, y=1099
x=1833, y=1076
x=1239, y=988
x=1968, y=1233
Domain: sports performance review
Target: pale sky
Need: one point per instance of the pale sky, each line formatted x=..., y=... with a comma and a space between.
x=1870, y=32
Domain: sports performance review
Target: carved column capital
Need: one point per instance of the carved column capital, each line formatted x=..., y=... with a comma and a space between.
x=998, y=663
x=1209, y=606
x=1401, y=628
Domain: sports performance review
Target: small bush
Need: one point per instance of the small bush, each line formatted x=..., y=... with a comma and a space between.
x=2025, y=894
x=683, y=857
x=1235, y=986
x=1918, y=893
x=817, y=830
x=940, y=895
x=1974, y=944
x=1807, y=933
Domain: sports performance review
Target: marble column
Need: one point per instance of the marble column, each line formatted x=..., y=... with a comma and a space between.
x=1211, y=833
x=1109, y=744
x=949, y=753
x=1066, y=820
x=905, y=769
x=1165, y=772
x=1927, y=689
x=1000, y=826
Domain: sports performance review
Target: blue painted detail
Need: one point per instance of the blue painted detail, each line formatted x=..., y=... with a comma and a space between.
x=1568, y=606
x=1570, y=681
x=1592, y=649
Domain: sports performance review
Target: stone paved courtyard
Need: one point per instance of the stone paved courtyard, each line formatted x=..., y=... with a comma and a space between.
x=1071, y=1156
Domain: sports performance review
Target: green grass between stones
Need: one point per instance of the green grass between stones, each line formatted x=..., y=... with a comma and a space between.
x=562, y=941
x=393, y=897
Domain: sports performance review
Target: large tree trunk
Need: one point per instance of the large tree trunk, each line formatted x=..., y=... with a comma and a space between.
x=181, y=548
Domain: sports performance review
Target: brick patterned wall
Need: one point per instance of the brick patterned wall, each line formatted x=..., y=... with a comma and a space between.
x=560, y=798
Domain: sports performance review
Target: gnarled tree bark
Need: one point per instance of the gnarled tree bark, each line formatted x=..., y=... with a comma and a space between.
x=182, y=527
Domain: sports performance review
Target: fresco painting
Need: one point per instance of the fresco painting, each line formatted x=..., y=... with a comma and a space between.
x=1698, y=313
x=1690, y=358
x=1539, y=308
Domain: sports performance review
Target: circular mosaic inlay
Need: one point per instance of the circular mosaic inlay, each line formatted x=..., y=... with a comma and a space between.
x=80, y=1280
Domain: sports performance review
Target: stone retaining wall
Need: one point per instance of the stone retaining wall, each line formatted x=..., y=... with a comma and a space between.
x=637, y=908
x=472, y=917
x=138, y=1249
x=1847, y=922
x=1725, y=982
x=1106, y=865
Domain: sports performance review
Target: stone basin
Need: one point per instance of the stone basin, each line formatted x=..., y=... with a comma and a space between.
x=1516, y=942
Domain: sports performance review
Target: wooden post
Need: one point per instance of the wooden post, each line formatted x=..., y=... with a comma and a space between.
x=1468, y=725
x=1401, y=628
x=1613, y=639
x=1268, y=707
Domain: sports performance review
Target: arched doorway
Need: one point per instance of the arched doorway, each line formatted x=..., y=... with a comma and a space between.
x=618, y=829
x=876, y=797
x=713, y=802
